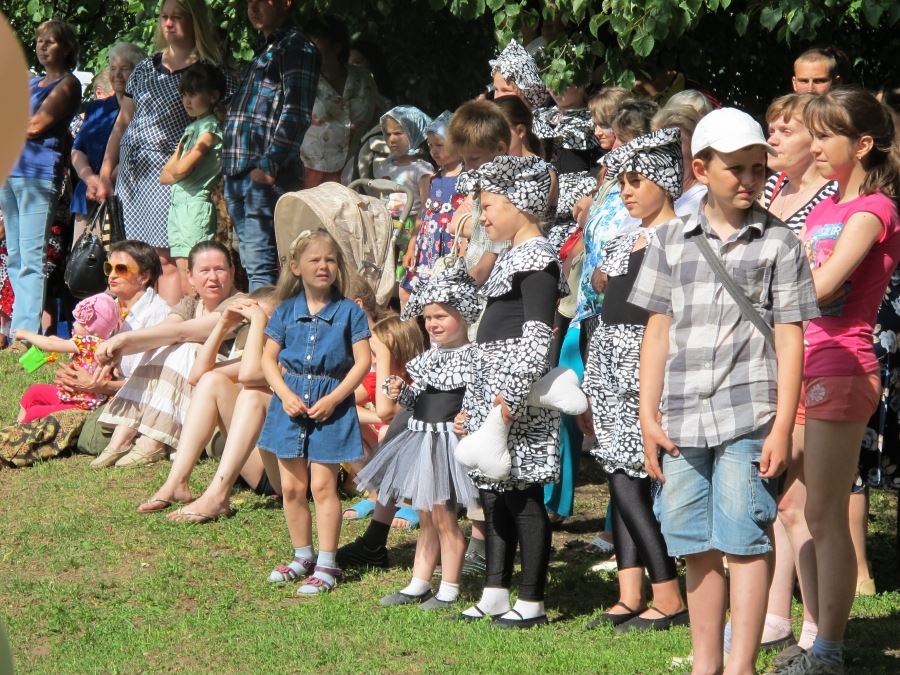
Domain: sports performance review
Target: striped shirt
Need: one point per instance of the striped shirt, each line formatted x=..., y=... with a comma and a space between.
x=795, y=222
x=271, y=108
x=720, y=373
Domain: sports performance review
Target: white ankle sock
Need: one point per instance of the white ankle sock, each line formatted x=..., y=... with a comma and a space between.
x=527, y=609
x=417, y=587
x=325, y=559
x=493, y=601
x=808, y=635
x=448, y=592
x=776, y=628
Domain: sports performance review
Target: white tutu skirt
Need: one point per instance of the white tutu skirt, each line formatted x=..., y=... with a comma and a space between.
x=418, y=466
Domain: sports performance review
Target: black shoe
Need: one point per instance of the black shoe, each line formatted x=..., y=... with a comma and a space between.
x=357, y=554
x=474, y=565
x=611, y=619
x=401, y=598
x=481, y=614
x=521, y=622
x=664, y=622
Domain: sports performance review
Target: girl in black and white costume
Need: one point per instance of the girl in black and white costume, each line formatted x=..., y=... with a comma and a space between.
x=649, y=170
x=418, y=464
x=513, y=343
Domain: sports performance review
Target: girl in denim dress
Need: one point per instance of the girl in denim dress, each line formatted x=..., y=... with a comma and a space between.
x=316, y=356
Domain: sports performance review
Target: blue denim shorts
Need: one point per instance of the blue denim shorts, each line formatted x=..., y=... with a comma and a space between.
x=714, y=499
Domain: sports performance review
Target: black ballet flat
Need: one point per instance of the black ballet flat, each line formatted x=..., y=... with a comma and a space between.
x=521, y=622
x=612, y=619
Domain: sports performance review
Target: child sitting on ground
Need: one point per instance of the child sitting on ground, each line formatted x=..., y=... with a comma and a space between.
x=96, y=318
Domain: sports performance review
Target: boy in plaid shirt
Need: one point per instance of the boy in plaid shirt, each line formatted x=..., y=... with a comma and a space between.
x=717, y=403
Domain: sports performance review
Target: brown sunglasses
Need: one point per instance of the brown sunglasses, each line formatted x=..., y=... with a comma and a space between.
x=121, y=269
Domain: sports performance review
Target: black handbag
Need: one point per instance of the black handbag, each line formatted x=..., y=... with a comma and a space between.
x=84, y=267
x=111, y=229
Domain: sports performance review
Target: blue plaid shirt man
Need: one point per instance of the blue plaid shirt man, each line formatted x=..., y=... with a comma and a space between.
x=271, y=108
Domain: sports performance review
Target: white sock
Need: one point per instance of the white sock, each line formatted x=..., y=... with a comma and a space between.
x=417, y=587
x=808, y=635
x=325, y=559
x=493, y=601
x=527, y=609
x=776, y=628
x=448, y=592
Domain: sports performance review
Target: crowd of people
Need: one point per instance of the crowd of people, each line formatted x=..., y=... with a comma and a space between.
x=710, y=309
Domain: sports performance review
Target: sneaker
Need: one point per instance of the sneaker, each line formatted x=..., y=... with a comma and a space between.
x=400, y=598
x=600, y=545
x=807, y=664
x=357, y=554
x=474, y=565
x=109, y=457
x=786, y=656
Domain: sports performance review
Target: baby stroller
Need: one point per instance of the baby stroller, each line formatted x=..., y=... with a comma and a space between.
x=358, y=220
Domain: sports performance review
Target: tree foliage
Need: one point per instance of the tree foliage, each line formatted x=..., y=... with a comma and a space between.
x=436, y=50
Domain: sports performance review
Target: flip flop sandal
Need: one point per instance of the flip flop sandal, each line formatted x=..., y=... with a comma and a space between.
x=363, y=509
x=159, y=504
x=408, y=514
x=285, y=573
x=315, y=585
x=201, y=518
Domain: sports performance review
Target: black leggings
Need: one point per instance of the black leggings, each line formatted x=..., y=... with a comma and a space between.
x=636, y=534
x=517, y=518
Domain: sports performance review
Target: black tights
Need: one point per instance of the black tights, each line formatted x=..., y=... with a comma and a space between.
x=517, y=518
x=636, y=534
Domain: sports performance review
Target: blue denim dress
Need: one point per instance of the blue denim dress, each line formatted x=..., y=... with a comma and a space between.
x=316, y=354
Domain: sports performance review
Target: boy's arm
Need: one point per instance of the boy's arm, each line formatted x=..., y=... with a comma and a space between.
x=47, y=343
x=654, y=350
x=789, y=363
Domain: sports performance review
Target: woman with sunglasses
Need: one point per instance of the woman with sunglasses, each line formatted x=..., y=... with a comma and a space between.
x=148, y=411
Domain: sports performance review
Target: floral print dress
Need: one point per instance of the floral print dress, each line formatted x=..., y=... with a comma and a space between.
x=432, y=239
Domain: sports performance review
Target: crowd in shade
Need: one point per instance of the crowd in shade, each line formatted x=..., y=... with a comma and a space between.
x=705, y=306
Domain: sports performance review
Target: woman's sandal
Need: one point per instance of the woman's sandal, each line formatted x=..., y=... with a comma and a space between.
x=159, y=504
x=315, y=585
x=285, y=573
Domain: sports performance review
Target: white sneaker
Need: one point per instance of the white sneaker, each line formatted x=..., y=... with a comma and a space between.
x=559, y=390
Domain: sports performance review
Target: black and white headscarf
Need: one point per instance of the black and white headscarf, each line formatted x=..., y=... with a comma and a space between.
x=571, y=129
x=525, y=181
x=516, y=65
x=656, y=155
x=451, y=286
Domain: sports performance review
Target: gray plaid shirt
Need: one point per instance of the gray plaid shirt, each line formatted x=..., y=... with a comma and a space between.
x=720, y=373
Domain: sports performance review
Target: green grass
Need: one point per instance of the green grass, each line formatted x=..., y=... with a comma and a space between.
x=89, y=585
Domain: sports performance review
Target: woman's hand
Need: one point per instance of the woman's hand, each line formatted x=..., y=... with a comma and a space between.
x=322, y=409
x=599, y=281
x=72, y=380
x=109, y=351
x=504, y=409
x=101, y=189
x=292, y=405
x=581, y=208
x=236, y=313
x=261, y=177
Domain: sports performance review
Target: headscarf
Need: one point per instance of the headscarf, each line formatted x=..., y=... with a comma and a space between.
x=525, y=181
x=99, y=314
x=413, y=121
x=517, y=66
x=451, y=286
x=572, y=129
x=656, y=155
x=439, y=124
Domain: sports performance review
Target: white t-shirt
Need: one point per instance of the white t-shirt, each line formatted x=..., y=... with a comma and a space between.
x=689, y=201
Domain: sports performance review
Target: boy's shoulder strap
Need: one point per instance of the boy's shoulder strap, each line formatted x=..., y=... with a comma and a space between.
x=736, y=292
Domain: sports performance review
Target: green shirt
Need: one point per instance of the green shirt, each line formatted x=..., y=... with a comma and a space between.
x=207, y=171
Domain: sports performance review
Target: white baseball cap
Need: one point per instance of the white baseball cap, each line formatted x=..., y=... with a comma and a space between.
x=728, y=130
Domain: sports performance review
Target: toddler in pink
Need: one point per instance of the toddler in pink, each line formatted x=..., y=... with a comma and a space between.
x=96, y=318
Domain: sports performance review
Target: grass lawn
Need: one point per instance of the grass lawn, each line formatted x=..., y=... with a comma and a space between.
x=89, y=585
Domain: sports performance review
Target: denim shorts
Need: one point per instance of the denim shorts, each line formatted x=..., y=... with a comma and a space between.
x=714, y=499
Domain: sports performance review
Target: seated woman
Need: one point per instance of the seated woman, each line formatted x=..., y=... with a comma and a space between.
x=234, y=396
x=149, y=409
x=132, y=270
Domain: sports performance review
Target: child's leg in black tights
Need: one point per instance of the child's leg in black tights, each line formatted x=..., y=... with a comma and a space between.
x=533, y=527
x=500, y=552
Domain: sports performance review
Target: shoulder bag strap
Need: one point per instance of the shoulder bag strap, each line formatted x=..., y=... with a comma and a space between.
x=743, y=302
